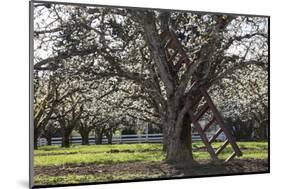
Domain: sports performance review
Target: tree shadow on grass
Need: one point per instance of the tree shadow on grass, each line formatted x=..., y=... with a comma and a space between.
x=205, y=168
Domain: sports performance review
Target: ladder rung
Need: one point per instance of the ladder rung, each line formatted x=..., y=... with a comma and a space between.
x=167, y=43
x=202, y=111
x=216, y=135
x=209, y=124
x=222, y=147
x=231, y=157
x=173, y=56
x=165, y=37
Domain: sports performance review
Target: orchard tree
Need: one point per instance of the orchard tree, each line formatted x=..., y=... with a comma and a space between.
x=50, y=130
x=68, y=117
x=93, y=118
x=45, y=101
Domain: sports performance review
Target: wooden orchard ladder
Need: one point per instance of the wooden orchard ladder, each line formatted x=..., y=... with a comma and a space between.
x=176, y=56
x=208, y=105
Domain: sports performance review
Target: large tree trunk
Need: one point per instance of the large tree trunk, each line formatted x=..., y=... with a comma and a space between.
x=178, y=142
x=176, y=123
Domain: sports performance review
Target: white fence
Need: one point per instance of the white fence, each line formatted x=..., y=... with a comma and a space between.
x=123, y=139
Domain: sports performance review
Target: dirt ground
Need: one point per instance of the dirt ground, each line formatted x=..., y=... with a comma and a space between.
x=203, y=168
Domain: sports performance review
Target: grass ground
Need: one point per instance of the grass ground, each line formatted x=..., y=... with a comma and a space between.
x=56, y=165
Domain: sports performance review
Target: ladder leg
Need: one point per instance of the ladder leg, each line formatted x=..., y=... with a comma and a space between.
x=220, y=121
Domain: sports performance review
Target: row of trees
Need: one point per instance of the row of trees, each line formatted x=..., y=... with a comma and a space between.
x=103, y=63
x=62, y=105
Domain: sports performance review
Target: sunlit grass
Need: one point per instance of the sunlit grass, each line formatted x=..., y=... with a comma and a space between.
x=95, y=148
x=112, y=154
x=123, y=153
x=98, y=158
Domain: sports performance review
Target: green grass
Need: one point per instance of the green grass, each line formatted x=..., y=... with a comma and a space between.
x=48, y=150
x=98, y=158
x=104, y=154
x=123, y=153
